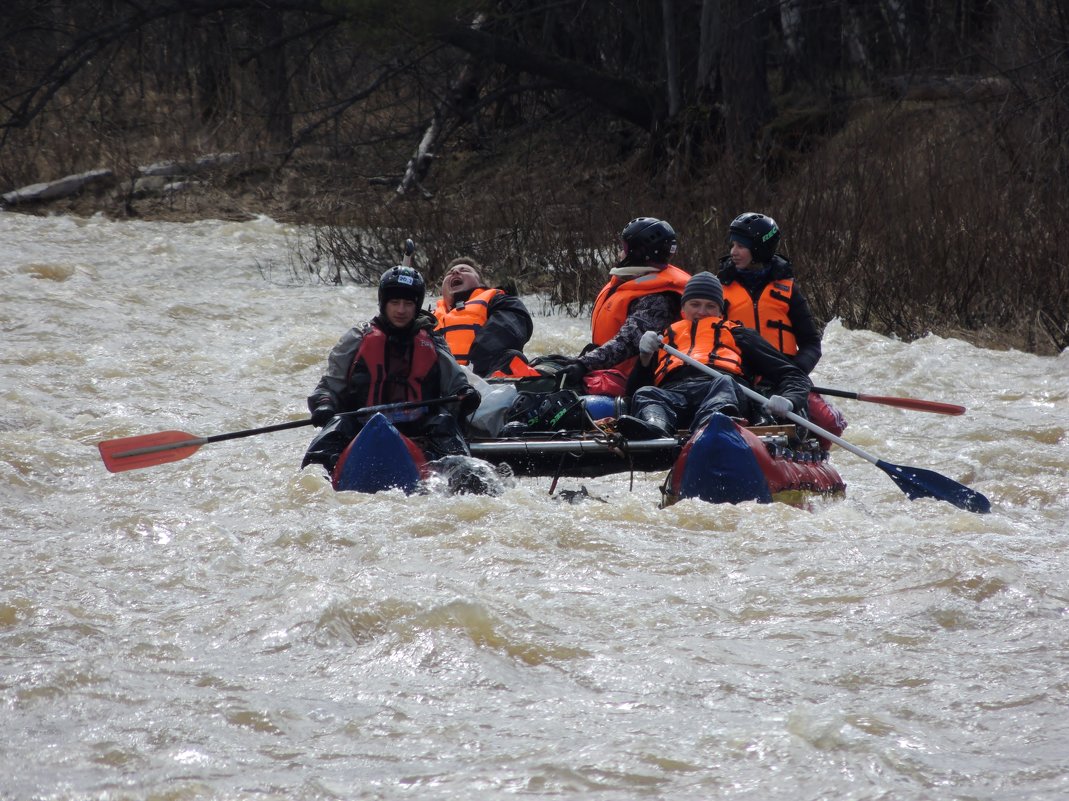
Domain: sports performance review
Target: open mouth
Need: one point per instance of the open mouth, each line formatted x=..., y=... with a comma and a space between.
x=457, y=281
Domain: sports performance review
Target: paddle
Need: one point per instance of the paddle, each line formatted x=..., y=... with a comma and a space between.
x=147, y=450
x=914, y=481
x=905, y=403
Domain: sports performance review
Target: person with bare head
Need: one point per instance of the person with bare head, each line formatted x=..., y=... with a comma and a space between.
x=485, y=327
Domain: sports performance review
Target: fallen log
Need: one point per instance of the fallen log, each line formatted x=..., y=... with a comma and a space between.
x=62, y=187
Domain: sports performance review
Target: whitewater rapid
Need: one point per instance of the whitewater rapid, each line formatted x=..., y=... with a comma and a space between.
x=226, y=626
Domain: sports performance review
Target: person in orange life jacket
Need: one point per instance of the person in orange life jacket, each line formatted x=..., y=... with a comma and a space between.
x=485, y=328
x=642, y=294
x=669, y=394
x=761, y=292
x=394, y=358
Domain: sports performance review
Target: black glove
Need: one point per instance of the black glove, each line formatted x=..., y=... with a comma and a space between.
x=469, y=400
x=572, y=375
x=322, y=413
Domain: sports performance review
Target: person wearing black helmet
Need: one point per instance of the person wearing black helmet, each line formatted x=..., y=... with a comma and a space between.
x=761, y=292
x=642, y=294
x=395, y=357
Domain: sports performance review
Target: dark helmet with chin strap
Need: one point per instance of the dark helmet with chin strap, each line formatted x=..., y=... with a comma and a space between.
x=401, y=282
x=647, y=240
x=756, y=232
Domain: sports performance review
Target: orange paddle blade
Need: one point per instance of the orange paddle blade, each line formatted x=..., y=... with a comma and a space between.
x=936, y=407
x=130, y=453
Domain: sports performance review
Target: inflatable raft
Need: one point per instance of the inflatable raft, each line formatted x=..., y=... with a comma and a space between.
x=722, y=463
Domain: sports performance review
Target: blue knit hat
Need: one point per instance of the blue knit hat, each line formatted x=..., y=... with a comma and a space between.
x=704, y=285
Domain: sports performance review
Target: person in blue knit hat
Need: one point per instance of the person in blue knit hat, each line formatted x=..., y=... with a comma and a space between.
x=669, y=394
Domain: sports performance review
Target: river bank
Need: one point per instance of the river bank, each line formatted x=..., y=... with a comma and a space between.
x=313, y=189
x=305, y=189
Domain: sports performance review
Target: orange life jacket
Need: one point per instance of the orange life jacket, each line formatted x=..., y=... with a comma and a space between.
x=616, y=297
x=461, y=324
x=708, y=340
x=406, y=380
x=768, y=314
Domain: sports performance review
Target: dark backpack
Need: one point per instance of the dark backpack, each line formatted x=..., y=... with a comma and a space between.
x=547, y=411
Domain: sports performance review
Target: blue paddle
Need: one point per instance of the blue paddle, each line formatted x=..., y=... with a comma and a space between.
x=916, y=482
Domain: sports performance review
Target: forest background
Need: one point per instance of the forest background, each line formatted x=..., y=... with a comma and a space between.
x=914, y=152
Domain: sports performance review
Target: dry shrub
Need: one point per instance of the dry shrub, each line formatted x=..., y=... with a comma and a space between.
x=923, y=224
x=945, y=216
x=914, y=219
x=531, y=230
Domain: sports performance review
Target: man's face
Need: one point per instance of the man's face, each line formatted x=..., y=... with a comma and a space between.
x=400, y=312
x=700, y=308
x=460, y=278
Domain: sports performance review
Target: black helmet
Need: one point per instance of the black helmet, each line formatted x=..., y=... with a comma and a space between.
x=647, y=240
x=757, y=232
x=401, y=282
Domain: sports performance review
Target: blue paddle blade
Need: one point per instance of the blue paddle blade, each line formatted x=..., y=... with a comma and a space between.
x=917, y=482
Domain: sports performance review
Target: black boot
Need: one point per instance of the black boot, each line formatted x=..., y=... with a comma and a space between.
x=328, y=444
x=442, y=437
x=651, y=423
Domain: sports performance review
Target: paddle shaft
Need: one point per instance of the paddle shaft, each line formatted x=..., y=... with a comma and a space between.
x=759, y=398
x=168, y=443
x=936, y=407
x=398, y=407
x=198, y=441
